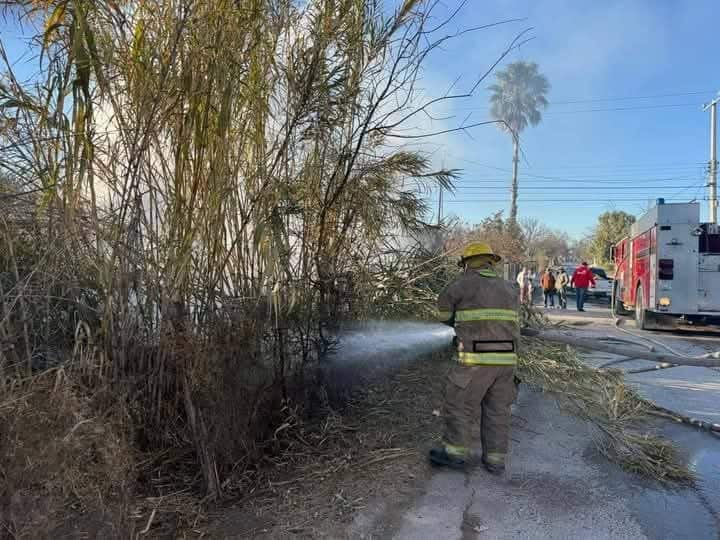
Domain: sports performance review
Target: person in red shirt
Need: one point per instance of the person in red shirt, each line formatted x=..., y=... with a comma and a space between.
x=582, y=279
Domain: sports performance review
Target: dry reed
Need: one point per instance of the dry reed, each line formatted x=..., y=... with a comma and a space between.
x=619, y=416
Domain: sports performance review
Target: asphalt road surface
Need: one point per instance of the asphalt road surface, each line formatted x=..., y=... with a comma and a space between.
x=557, y=486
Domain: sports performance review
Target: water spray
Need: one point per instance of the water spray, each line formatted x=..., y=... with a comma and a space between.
x=391, y=341
x=370, y=350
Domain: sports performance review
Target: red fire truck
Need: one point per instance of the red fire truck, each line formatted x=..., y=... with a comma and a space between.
x=668, y=269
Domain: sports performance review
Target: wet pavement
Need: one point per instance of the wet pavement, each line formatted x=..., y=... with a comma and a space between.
x=702, y=450
x=559, y=486
x=689, y=391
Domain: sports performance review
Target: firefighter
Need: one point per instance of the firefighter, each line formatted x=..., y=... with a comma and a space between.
x=483, y=308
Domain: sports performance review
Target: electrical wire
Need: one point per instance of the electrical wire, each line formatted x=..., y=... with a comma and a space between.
x=605, y=170
x=607, y=109
x=628, y=98
x=624, y=109
x=626, y=165
x=556, y=200
x=575, y=188
x=620, y=98
x=606, y=180
x=541, y=176
x=700, y=424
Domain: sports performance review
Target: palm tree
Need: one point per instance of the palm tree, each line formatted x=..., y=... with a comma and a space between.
x=517, y=98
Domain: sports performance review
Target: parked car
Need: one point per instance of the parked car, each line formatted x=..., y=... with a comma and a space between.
x=603, y=283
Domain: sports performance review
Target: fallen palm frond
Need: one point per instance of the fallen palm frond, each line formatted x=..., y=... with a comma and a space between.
x=601, y=397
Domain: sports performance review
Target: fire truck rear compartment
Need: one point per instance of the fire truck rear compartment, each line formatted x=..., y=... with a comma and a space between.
x=674, y=261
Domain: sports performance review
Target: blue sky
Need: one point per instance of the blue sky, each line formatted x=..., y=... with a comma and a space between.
x=582, y=159
x=590, y=51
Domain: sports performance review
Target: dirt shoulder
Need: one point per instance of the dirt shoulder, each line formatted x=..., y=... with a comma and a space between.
x=368, y=459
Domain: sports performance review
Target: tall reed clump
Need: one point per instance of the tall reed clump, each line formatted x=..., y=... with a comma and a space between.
x=197, y=191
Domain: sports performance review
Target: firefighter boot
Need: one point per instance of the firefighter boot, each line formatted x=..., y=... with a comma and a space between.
x=440, y=457
x=494, y=468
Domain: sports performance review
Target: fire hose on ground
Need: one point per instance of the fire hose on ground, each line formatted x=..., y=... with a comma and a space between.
x=711, y=360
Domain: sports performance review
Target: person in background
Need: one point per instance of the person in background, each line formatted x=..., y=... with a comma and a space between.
x=582, y=279
x=532, y=277
x=525, y=283
x=561, y=282
x=547, y=282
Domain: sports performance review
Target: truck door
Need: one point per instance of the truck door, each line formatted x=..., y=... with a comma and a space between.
x=709, y=269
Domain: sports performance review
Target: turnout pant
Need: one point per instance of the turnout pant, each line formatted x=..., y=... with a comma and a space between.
x=479, y=394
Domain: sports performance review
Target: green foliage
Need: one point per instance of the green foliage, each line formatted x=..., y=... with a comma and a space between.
x=217, y=177
x=517, y=99
x=519, y=96
x=611, y=228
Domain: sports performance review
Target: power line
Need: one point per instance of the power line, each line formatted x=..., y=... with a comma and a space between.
x=621, y=165
x=557, y=200
x=621, y=98
x=617, y=170
x=597, y=174
x=649, y=182
x=574, y=188
x=612, y=171
x=608, y=109
x=546, y=177
x=638, y=108
x=629, y=98
x=697, y=186
x=609, y=173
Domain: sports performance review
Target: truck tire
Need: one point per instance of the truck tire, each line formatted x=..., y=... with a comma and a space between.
x=616, y=301
x=640, y=318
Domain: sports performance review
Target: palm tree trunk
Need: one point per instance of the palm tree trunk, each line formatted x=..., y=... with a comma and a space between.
x=514, y=188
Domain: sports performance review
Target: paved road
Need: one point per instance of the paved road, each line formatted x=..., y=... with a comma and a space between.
x=690, y=391
x=558, y=486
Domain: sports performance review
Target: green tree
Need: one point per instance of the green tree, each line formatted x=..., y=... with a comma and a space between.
x=611, y=227
x=517, y=98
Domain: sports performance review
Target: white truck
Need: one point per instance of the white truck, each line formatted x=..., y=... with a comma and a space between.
x=603, y=283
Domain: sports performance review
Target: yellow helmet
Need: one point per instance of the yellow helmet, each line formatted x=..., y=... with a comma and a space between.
x=475, y=249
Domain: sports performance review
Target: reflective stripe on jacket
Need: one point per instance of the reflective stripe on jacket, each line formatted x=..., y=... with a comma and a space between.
x=487, y=359
x=484, y=310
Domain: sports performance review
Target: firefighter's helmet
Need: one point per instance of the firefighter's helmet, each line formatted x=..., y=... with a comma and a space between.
x=477, y=249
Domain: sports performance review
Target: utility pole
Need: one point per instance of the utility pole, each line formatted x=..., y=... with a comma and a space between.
x=712, y=184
